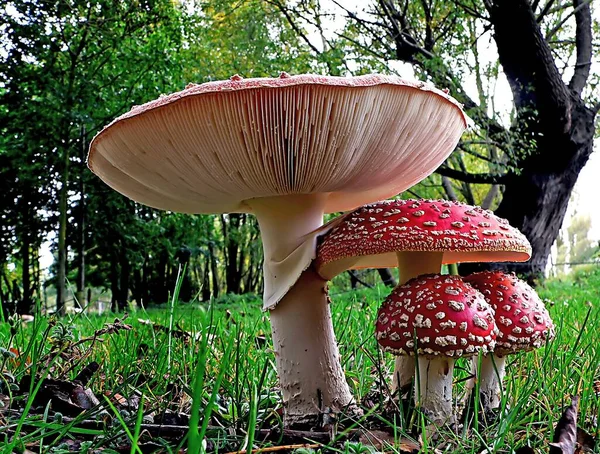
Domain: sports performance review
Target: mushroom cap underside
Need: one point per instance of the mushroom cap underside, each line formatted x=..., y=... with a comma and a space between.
x=436, y=315
x=372, y=235
x=211, y=147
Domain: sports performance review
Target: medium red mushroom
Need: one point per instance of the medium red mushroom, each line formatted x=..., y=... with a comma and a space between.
x=418, y=236
x=436, y=319
x=288, y=150
x=523, y=324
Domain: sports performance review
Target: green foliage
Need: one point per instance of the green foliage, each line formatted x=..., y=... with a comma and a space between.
x=235, y=377
x=70, y=67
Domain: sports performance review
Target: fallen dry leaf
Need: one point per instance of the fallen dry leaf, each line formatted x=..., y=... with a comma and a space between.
x=383, y=441
x=565, y=434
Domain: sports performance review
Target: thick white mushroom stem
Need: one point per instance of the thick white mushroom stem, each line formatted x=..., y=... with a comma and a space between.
x=308, y=362
x=412, y=264
x=491, y=375
x=433, y=394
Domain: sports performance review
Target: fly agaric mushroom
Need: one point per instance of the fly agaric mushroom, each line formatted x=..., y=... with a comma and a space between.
x=523, y=324
x=418, y=236
x=438, y=318
x=288, y=150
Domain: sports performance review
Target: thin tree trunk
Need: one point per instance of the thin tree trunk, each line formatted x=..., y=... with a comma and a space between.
x=79, y=297
x=386, y=277
x=24, y=304
x=61, y=275
x=114, y=283
x=213, y=270
x=231, y=227
x=206, y=282
x=123, y=282
x=353, y=279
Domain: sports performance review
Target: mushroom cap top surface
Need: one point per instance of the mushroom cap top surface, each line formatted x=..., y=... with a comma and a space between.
x=370, y=236
x=211, y=147
x=447, y=316
x=522, y=319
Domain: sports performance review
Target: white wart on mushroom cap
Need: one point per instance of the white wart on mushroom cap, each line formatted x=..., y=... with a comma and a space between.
x=447, y=316
x=372, y=235
x=522, y=319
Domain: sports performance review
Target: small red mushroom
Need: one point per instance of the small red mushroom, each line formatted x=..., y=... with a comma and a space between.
x=418, y=236
x=523, y=324
x=437, y=319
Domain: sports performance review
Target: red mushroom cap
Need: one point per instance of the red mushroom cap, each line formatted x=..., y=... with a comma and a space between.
x=447, y=316
x=522, y=319
x=370, y=236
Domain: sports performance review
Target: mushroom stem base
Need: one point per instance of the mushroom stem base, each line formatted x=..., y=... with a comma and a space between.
x=411, y=265
x=404, y=371
x=491, y=375
x=433, y=393
x=312, y=381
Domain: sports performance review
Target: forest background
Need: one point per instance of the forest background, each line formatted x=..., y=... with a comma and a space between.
x=527, y=73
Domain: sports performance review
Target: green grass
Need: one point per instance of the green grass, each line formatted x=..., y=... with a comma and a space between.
x=227, y=366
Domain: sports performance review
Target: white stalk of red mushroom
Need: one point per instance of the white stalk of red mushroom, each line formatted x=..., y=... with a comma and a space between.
x=523, y=324
x=287, y=149
x=436, y=319
x=418, y=236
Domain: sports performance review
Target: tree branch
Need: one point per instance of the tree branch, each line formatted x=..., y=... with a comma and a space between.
x=539, y=92
x=544, y=11
x=564, y=20
x=448, y=188
x=471, y=11
x=477, y=178
x=293, y=24
x=583, y=40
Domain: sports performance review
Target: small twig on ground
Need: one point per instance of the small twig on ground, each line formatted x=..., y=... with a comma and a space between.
x=278, y=448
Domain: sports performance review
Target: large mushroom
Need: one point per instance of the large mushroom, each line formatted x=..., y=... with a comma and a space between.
x=288, y=150
x=418, y=236
x=523, y=324
x=437, y=319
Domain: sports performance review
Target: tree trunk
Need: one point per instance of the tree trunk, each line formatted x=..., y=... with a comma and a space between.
x=80, y=295
x=24, y=304
x=353, y=280
x=114, y=283
x=213, y=270
x=123, y=282
x=386, y=277
x=61, y=275
x=552, y=117
x=537, y=201
x=206, y=282
x=231, y=227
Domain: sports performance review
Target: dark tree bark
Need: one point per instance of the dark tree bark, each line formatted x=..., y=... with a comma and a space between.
x=61, y=275
x=233, y=264
x=214, y=271
x=123, y=282
x=552, y=116
x=80, y=295
x=206, y=283
x=114, y=282
x=24, y=304
x=386, y=277
x=551, y=137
